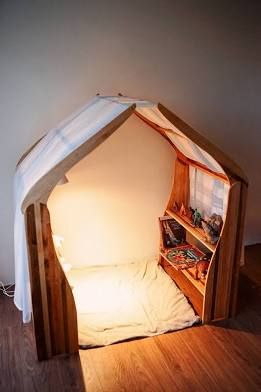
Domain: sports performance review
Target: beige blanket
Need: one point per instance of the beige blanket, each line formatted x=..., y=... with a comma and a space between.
x=115, y=303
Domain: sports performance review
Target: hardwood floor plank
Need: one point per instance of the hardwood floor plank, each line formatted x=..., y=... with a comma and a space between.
x=179, y=360
x=223, y=357
x=224, y=369
x=11, y=372
x=243, y=365
x=89, y=371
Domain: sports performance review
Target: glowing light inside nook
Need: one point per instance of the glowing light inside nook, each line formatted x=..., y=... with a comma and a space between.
x=107, y=213
x=58, y=243
x=66, y=267
x=104, y=293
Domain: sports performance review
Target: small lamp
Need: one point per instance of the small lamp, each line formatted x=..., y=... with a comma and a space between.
x=58, y=243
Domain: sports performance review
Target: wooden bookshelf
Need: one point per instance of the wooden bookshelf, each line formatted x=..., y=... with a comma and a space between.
x=198, y=233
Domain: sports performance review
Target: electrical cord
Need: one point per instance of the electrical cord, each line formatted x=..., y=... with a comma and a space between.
x=6, y=290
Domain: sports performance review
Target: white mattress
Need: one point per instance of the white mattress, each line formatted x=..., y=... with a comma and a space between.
x=115, y=303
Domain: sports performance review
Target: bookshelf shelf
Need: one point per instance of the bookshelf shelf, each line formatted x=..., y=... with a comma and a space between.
x=196, y=232
x=188, y=273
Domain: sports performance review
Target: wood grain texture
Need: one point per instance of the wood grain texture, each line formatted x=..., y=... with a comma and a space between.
x=180, y=189
x=35, y=281
x=61, y=306
x=44, y=304
x=54, y=311
x=223, y=357
x=239, y=248
x=209, y=290
x=189, y=290
x=226, y=255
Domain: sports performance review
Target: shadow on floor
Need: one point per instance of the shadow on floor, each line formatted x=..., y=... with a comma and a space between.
x=248, y=316
x=20, y=369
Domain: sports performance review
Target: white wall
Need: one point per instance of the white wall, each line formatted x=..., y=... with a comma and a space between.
x=108, y=211
x=200, y=58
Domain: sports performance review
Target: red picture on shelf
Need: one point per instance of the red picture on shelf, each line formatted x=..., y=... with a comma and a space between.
x=183, y=257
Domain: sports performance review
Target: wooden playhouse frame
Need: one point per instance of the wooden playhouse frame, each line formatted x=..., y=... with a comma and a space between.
x=54, y=311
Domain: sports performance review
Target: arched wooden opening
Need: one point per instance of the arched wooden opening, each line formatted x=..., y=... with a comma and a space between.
x=54, y=311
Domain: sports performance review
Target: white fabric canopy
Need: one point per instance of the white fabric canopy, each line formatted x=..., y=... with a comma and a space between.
x=57, y=145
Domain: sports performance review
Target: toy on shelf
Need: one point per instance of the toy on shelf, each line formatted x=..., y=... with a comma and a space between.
x=212, y=227
x=190, y=213
x=202, y=268
x=182, y=210
x=176, y=208
x=196, y=218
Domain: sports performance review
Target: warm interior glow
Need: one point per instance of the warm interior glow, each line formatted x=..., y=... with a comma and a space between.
x=108, y=211
x=58, y=241
x=100, y=295
x=66, y=267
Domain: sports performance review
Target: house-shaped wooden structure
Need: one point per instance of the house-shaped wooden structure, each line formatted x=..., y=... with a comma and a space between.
x=43, y=166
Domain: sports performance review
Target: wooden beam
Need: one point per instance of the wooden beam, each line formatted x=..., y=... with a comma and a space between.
x=227, y=254
x=42, y=345
x=41, y=263
x=61, y=307
x=210, y=290
x=180, y=189
x=239, y=248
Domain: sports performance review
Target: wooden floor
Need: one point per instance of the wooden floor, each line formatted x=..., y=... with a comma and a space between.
x=224, y=357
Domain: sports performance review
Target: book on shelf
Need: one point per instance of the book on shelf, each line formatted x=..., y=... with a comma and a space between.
x=185, y=256
x=172, y=233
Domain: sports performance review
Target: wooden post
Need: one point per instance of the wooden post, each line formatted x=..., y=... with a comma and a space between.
x=54, y=312
x=180, y=189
